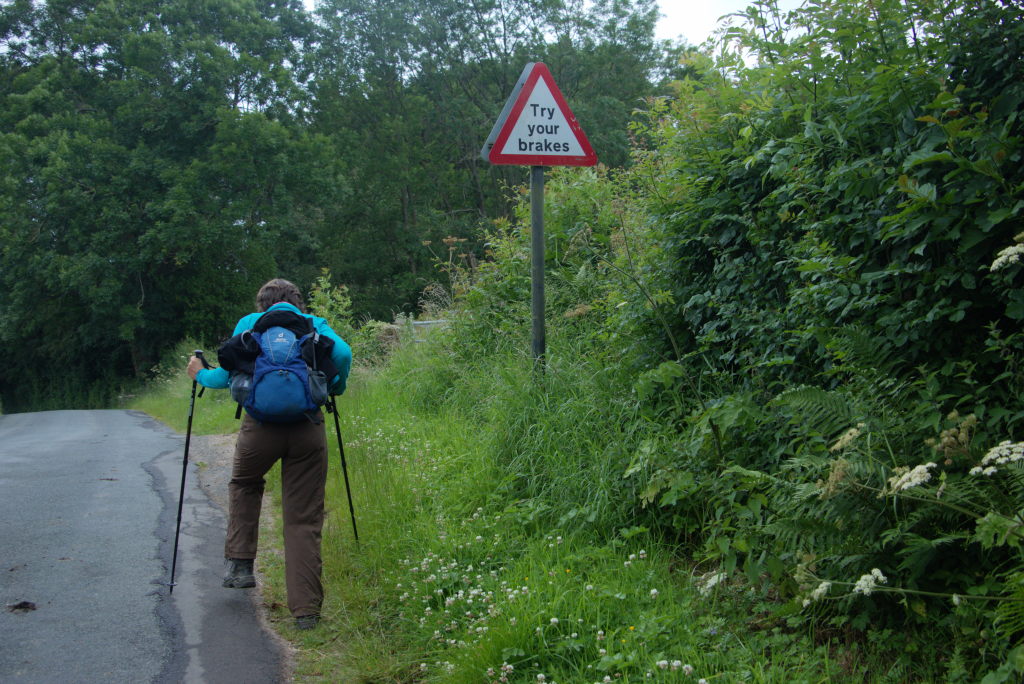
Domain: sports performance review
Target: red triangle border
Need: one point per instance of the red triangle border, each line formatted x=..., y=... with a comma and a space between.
x=588, y=158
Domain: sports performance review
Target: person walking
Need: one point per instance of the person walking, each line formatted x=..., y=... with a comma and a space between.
x=301, y=446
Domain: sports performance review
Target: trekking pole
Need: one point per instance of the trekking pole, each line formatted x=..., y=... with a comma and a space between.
x=344, y=467
x=184, y=466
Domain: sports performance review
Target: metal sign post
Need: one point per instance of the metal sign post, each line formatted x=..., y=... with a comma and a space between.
x=537, y=263
x=536, y=128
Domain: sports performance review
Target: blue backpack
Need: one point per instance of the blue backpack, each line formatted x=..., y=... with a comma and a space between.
x=278, y=368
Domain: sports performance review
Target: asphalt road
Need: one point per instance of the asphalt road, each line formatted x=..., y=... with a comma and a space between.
x=88, y=504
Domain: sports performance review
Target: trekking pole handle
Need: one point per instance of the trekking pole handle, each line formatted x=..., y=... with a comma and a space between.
x=198, y=353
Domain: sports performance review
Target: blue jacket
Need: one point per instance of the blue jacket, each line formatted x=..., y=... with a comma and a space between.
x=218, y=378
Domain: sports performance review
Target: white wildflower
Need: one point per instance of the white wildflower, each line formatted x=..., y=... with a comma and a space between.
x=707, y=583
x=1007, y=256
x=654, y=593
x=1005, y=453
x=867, y=583
x=905, y=478
x=956, y=599
x=820, y=591
x=687, y=670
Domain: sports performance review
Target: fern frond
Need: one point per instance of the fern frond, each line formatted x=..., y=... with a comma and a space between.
x=825, y=412
x=1009, y=620
x=857, y=349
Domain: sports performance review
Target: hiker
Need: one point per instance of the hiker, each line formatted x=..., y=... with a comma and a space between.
x=300, y=444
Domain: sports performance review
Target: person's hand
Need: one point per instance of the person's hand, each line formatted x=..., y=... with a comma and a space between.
x=194, y=366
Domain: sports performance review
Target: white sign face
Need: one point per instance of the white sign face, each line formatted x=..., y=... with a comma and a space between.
x=536, y=127
x=542, y=128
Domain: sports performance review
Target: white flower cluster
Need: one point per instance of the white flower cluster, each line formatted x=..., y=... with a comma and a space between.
x=905, y=478
x=1006, y=452
x=867, y=583
x=819, y=592
x=1008, y=255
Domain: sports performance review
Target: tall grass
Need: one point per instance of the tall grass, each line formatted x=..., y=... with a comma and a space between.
x=499, y=542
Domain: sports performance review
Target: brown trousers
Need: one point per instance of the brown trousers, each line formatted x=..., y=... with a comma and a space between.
x=302, y=449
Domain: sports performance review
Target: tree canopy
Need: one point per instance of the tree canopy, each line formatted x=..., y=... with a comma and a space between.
x=162, y=158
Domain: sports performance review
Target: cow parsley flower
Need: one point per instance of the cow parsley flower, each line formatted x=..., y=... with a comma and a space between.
x=1009, y=255
x=905, y=478
x=867, y=583
x=820, y=591
x=1005, y=453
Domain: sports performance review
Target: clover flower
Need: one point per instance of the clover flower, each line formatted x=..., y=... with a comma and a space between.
x=687, y=670
x=867, y=583
x=654, y=593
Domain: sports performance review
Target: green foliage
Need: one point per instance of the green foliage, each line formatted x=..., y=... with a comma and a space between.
x=809, y=269
x=332, y=303
x=146, y=159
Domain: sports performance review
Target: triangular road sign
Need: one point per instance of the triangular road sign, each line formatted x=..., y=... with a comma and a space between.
x=537, y=128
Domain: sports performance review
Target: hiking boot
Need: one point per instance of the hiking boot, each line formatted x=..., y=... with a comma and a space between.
x=307, y=621
x=240, y=575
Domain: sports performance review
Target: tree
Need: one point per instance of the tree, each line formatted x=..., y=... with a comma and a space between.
x=147, y=147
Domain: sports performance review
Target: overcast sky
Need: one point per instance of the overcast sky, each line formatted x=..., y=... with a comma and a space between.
x=695, y=20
